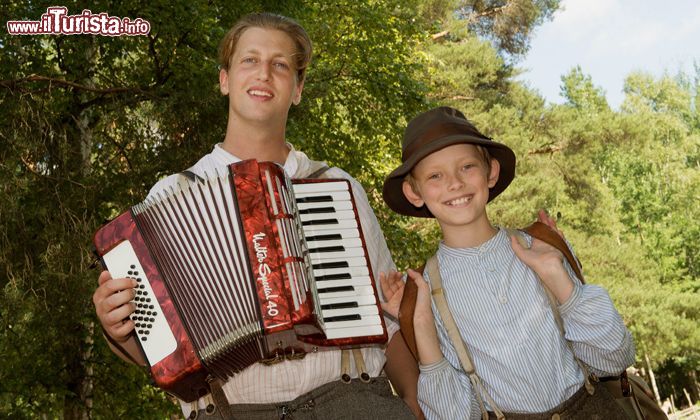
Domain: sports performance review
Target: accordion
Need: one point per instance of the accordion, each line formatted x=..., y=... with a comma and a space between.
x=239, y=267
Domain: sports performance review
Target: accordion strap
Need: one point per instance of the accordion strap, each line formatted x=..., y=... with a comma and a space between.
x=191, y=176
x=317, y=173
x=119, y=347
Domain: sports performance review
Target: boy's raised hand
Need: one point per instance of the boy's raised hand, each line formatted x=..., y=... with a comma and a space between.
x=427, y=343
x=541, y=257
x=392, y=288
x=548, y=263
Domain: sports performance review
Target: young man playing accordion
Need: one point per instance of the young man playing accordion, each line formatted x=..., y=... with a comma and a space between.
x=263, y=60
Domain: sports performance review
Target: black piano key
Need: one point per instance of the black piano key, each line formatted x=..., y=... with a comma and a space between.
x=338, y=248
x=320, y=222
x=336, y=289
x=315, y=199
x=339, y=276
x=330, y=264
x=342, y=305
x=326, y=237
x=318, y=210
x=353, y=317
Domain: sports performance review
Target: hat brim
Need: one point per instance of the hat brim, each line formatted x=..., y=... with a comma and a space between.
x=393, y=190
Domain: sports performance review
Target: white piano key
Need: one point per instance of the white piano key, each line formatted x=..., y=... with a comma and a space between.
x=335, y=205
x=334, y=225
x=340, y=215
x=355, y=292
x=367, y=320
x=360, y=300
x=316, y=187
x=334, y=196
x=361, y=310
x=352, y=271
x=343, y=233
x=365, y=331
x=355, y=281
x=351, y=262
x=345, y=243
x=320, y=257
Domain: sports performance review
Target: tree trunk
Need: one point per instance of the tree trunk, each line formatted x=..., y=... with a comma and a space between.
x=695, y=391
x=78, y=404
x=690, y=402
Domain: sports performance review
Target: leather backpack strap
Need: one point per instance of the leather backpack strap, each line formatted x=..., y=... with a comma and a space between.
x=407, y=309
x=546, y=234
x=465, y=357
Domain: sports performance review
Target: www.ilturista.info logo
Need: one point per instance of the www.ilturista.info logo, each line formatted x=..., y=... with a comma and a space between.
x=57, y=21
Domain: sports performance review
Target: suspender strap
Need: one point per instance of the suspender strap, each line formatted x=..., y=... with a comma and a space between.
x=345, y=366
x=461, y=348
x=360, y=365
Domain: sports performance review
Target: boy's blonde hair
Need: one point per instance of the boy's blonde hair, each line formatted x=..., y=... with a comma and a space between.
x=483, y=153
x=301, y=39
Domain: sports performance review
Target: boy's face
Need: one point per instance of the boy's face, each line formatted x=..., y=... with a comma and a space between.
x=454, y=184
x=261, y=81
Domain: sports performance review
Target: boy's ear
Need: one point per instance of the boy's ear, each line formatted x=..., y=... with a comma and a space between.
x=412, y=196
x=223, y=82
x=494, y=172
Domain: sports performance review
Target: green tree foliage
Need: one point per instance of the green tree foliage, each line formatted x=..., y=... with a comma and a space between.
x=581, y=94
x=507, y=24
x=88, y=124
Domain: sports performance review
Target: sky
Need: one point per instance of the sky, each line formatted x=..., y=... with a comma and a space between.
x=610, y=39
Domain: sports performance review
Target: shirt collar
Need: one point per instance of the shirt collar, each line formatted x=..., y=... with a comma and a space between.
x=496, y=241
x=223, y=157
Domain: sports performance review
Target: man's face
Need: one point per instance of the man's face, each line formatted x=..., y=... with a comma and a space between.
x=454, y=184
x=261, y=81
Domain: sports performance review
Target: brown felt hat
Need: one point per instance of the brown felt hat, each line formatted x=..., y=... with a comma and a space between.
x=434, y=130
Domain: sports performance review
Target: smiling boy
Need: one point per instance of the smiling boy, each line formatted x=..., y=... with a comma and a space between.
x=450, y=171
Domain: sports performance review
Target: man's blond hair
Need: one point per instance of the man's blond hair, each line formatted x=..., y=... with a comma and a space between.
x=296, y=32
